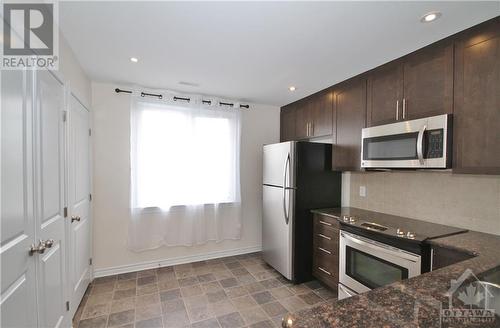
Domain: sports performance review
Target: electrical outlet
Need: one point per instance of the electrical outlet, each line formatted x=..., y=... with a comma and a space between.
x=362, y=191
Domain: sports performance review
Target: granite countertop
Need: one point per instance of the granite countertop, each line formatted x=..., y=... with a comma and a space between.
x=415, y=302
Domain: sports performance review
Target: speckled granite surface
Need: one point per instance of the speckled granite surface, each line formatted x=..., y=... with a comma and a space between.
x=416, y=302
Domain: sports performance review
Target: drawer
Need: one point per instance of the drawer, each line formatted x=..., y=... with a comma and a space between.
x=326, y=270
x=327, y=233
x=326, y=221
x=328, y=262
x=326, y=247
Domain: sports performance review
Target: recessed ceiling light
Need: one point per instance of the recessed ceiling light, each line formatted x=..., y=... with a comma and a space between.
x=134, y=60
x=429, y=17
x=292, y=88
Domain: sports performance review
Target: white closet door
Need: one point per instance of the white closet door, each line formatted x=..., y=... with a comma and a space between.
x=50, y=182
x=78, y=201
x=18, y=294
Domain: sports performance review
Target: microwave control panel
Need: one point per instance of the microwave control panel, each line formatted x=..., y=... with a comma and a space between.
x=434, y=143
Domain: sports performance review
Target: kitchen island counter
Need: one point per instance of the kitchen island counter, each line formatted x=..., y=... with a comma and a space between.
x=415, y=302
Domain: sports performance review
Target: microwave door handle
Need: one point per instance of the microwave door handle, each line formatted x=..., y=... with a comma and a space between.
x=420, y=144
x=287, y=163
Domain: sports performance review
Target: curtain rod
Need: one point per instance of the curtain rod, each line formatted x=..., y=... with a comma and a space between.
x=159, y=96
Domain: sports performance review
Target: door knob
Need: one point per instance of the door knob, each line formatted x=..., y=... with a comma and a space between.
x=75, y=218
x=40, y=249
x=48, y=243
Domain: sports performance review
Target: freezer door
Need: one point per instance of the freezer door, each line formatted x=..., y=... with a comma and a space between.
x=279, y=164
x=277, y=229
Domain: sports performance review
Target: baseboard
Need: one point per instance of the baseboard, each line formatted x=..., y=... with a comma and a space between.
x=174, y=261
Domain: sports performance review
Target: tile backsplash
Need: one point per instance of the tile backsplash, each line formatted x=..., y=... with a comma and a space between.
x=466, y=201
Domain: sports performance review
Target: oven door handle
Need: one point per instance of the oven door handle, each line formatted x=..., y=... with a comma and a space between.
x=420, y=144
x=371, y=243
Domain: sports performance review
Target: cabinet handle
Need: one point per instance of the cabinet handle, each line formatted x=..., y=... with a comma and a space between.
x=321, y=269
x=404, y=108
x=324, y=250
x=325, y=223
x=307, y=129
x=397, y=110
x=75, y=218
x=323, y=236
x=312, y=129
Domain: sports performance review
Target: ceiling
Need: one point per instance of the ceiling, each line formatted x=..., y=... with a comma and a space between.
x=253, y=51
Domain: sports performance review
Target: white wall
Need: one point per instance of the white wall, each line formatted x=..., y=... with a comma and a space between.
x=111, y=136
x=73, y=73
x=466, y=201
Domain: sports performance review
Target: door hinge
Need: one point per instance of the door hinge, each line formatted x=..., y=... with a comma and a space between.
x=65, y=212
x=90, y=132
x=90, y=261
x=64, y=115
x=67, y=305
x=90, y=197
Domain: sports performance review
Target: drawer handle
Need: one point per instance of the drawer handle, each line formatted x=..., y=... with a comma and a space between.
x=321, y=269
x=324, y=250
x=325, y=223
x=323, y=236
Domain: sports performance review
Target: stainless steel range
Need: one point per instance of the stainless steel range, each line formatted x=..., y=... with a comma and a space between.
x=378, y=249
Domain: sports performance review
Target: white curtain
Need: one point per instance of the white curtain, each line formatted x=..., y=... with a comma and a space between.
x=185, y=174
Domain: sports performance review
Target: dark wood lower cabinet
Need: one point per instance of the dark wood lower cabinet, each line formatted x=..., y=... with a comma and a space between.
x=326, y=250
x=442, y=257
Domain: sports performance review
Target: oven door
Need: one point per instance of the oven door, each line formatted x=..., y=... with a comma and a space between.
x=366, y=264
x=421, y=143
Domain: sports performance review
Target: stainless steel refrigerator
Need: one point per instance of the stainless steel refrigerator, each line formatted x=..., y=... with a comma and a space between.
x=297, y=177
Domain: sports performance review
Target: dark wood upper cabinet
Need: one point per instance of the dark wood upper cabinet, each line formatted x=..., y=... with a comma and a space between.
x=459, y=75
x=428, y=82
x=350, y=110
x=320, y=111
x=287, y=123
x=302, y=119
x=416, y=86
x=476, y=117
x=313, y=116
x=385, y=94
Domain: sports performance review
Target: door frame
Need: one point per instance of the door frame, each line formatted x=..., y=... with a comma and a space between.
x=67, y=230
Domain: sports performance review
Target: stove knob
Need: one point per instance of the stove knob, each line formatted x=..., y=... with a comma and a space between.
x=352, y=219
x=345, y=218
x=400, y=232
x=410, y=235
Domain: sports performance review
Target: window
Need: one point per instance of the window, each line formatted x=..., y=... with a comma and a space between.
x=183, y=155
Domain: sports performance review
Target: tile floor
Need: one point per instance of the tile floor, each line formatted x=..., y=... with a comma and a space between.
x=236, y=291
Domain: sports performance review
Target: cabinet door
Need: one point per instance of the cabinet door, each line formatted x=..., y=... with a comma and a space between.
x=321, y=114
x=428, y=82
x=51, y=271
x=350, y=108
x=287, y=123
x=302, y=119
x=78, y=240
x=18, y=293
x=385, y=94
x=476, y=118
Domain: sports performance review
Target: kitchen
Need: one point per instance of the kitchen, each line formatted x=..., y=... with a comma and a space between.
x=348, y=176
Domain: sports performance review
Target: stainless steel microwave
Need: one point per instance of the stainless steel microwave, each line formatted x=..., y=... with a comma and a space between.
x=416, y=144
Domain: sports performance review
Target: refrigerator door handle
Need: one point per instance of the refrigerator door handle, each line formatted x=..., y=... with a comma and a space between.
x=287, y=164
